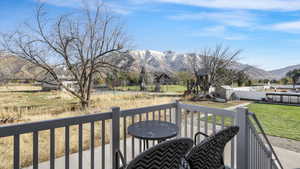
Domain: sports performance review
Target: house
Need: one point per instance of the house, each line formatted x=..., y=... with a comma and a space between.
x=223, y=92
x=69, y=83
x=65, y=77
x=163, y=78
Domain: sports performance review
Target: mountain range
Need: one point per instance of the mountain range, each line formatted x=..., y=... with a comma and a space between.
x=13, y=67
x=170, y=61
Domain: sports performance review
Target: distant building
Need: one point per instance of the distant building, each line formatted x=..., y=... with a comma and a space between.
x=65, y=77
x=48, y=83
x=223, y=92
x=240, y=93
x=166, y=79
x=71, y=84
x=163, y=78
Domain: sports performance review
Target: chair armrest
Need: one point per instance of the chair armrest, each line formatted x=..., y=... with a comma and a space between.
x=197, y=134
x=119, y=155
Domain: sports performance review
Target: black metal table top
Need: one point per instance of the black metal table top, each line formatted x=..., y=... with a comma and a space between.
x=153, y=130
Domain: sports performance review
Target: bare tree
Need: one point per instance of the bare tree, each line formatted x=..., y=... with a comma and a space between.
x=158, y=76
x=81, y=44
x=143, y=79
x=210, y=66
x=240, y=77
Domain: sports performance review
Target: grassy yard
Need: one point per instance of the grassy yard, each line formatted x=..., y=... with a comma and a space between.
x=56, y=104
x=279, y=120
x=24, y=106
x=216, y=104
x=34, y=98
x=21, y=105
x=164, y=88
x=227, y=121
x=28, y=103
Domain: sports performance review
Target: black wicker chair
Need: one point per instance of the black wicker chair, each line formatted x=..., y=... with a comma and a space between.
x=166, y=155
x=208, y=154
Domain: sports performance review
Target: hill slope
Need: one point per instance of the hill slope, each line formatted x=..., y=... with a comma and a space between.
x=13, y=67
x=280, y=73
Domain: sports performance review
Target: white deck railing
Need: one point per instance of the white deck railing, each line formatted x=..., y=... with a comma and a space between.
x=189, y=118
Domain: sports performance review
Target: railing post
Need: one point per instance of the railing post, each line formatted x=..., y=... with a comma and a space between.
x=270, y=159
x=115, y=140
x=242, y=142
x=178, y=117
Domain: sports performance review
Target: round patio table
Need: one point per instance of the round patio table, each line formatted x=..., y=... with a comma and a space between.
x=153, y=130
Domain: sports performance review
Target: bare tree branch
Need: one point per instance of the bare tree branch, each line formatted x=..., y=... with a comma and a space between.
x=209, y=66
x=81, y=45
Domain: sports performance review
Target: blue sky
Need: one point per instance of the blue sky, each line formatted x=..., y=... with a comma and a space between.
x=268, y=31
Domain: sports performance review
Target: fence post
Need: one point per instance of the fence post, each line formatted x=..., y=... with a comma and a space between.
x=242, y=141
x=115, y=140
x=178, y=117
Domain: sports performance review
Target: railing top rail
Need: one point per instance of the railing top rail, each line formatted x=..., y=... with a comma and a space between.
x=203, y=109
x=131, y=112
x=9, y=130
x=265, y=138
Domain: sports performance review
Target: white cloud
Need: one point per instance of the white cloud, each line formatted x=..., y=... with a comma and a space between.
x=236, y=18
x=292, y=27
x=218, y=32
x=69, y=3
x=236, y=37
x=117, y=8
x=285, y=5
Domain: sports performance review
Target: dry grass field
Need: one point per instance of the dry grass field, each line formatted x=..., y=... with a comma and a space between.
x=26, y=103
x=18, y=87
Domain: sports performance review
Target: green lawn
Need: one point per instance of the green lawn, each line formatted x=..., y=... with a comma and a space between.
x=227, y=120
x=215, y=104
x=164, y=88
x=278, y=120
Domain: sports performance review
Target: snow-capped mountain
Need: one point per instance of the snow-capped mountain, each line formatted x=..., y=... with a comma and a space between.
x=170, y=61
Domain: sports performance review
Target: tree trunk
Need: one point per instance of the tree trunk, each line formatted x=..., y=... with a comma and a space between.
x=294, y=83
x=142, y=86
x=84, y=104
x=157, y=87
x=240, y=83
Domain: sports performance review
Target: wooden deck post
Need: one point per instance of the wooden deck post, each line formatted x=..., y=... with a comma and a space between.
x=115, y=140
x=242, y=142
